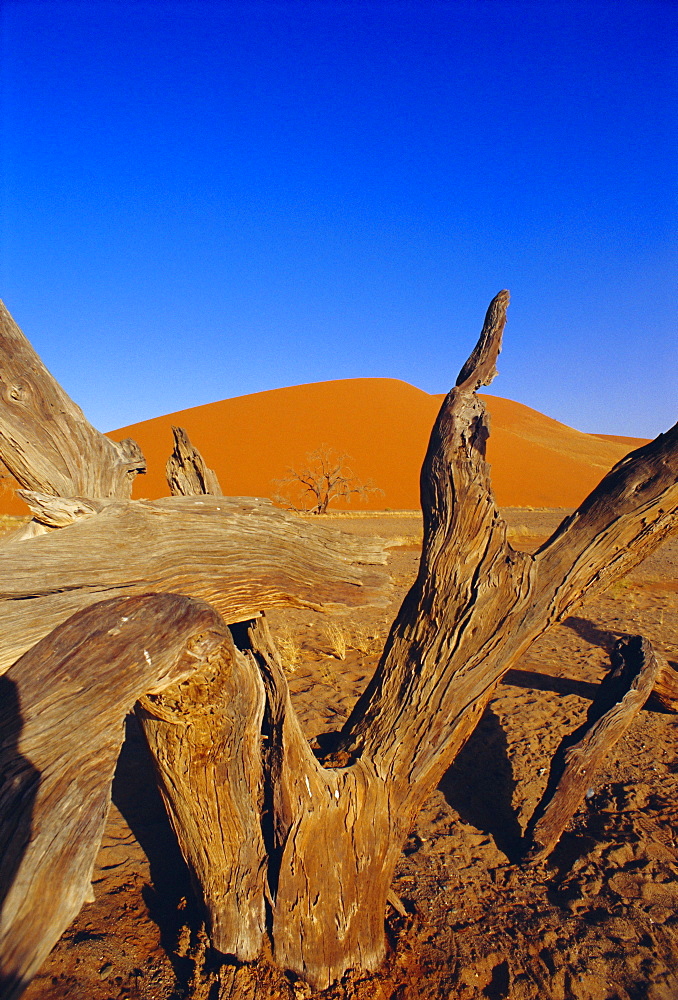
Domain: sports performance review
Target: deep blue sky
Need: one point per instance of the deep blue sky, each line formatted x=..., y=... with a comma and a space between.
x=206, y=199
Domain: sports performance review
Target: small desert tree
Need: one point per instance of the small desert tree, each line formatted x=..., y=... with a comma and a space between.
x=323, y=478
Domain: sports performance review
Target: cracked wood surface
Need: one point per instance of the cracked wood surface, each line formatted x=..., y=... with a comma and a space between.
x=205, y=737
x=241, y=555
x=332, y=828
x=186, y=470
x=334, y=832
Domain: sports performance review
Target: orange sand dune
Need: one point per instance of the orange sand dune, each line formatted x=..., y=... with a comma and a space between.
x=384, y=425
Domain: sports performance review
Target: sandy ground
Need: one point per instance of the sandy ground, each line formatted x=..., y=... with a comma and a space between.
x=597, y=922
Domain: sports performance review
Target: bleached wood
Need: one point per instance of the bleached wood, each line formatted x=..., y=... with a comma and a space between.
x=186, y=470
x=241, y=555
x=475, y=608
x=332, y=828
x=205, y=736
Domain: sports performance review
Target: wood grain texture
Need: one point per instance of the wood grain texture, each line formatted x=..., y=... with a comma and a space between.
x=332, y=849
x=240, y=555
x=476, y=606
x=61, y=729
x=205, y=737
x=620, y=698
x=186, y=470
x=665, y=691
x=46, y=441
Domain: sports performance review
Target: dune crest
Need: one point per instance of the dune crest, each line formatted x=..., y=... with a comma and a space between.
x=384, y=425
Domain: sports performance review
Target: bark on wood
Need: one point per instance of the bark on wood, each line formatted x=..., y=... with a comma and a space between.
x=46, y=441
x=186, y=471
x=240, y=555
x=61, y=729
x=620, y=698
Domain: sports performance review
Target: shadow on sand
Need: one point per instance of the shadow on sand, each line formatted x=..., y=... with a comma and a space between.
x=170, y=898
x=479, y=785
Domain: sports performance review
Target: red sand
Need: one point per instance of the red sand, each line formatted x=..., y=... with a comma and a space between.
x=383, y=425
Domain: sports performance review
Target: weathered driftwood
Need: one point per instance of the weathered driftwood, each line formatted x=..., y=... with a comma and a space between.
x=240, y=555
x=621, y=696
x=332, y=837
x=476, y=607
x=335, y=832
x=58, y=512
x=186, y=470
x=331, y=830
x=46, y=441
x=205, y=736
x=61, y=729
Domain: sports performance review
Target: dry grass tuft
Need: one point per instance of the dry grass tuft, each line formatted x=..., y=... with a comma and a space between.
x=366, y=639
x=338, y=639
x=363, y=638
x=288, y=647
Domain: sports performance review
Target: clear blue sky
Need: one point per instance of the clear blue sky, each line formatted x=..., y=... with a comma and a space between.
x=206, y=199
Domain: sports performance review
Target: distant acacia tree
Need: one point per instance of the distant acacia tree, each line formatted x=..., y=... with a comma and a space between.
x=323, y=478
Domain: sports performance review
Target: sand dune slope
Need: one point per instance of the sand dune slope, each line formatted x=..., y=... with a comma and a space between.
x=383, y=424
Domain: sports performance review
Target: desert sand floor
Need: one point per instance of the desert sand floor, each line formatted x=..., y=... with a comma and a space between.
x=597, y=922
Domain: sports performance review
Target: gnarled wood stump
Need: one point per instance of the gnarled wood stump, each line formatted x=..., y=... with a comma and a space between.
x=279, y=842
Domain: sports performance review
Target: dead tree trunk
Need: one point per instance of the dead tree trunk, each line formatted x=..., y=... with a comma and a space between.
x=278, y=840
x=476, y=606
x=186, y=470
x=61, y=726
x=240, y=555
x=335, y=829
